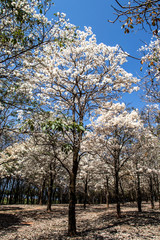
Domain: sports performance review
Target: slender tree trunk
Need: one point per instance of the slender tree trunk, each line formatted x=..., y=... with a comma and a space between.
x=41, y=195
x=11, y=191
x=85, y=193
x=50, y=190
x=133, y=195
x=157, y=187
x=16, y=195
x=21, y=191
x=117, y=194
x=116, y=169
x=107, y=192
x=151, y=192
x=28, y=190
x=3, y=190
x=139, y=197
x=31, y=195
x=72, y=202
x=60, y=195
x=77, y=137
x=72, y=194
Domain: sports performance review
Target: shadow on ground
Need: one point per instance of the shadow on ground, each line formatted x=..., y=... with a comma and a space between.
x=10, y=208
x=93, y=229
x=106, y=221
x=129, y=218
x=8, y=220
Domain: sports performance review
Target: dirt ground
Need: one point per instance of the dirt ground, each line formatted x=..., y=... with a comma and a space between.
x=23, y=222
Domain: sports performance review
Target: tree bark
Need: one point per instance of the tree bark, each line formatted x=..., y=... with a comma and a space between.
x=41, y=195
x=151, y=192
x=107, y=192
x=85, y=193
x=72, y=193
x=28, y=190
x=50, y=190
x=3, y=190
x=139, y=197
x=77, y=137
x=16, y=194
x=157, y=188
x=72, y=203
x=117, y=195
x=11, y=191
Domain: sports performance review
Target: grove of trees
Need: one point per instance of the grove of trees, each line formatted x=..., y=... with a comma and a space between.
x=64, y=135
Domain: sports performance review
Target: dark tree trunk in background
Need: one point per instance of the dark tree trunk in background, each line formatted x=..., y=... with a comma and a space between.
x=139, y=195
x=85, y=193
x=157, y=188
x=41, y=195
x=107, y=192
x=151, y=191
x=50, y=190
x=11, y=192
x=16, y=195
x=117, y=195
x=116, y=183
x=28, y=191
x=3, y=190
x=31, y=196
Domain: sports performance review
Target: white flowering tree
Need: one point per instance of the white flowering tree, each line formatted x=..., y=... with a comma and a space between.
x=115, y=138
x=151, y=117
x=75, y=78
x=34, y=161
x=94, y=175
x=89, y=176
x=151, y=163
x=24, y=27
x=18, y=19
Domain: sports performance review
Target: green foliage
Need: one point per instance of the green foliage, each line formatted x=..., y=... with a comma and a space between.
x=59, y=125
x=66, y=147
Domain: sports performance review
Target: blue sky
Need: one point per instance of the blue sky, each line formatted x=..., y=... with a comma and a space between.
x=96, y=14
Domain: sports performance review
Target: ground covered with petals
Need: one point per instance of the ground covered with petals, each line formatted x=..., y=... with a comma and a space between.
x=33, y=222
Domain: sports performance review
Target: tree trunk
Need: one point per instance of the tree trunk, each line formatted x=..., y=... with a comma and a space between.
x=151, y=192
x=3, y=190
x=158, y=191
x=107, y=192
x=117, y=194
x=31, y=195
x=11, y=191
x=139, y=197
x=16, y=194
x=72, y=193
x=77, y=137
x=72, y=202
x=28, y=191
x=85, y=193
x=116, y=183
x=41, y=195
x=50, y=190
